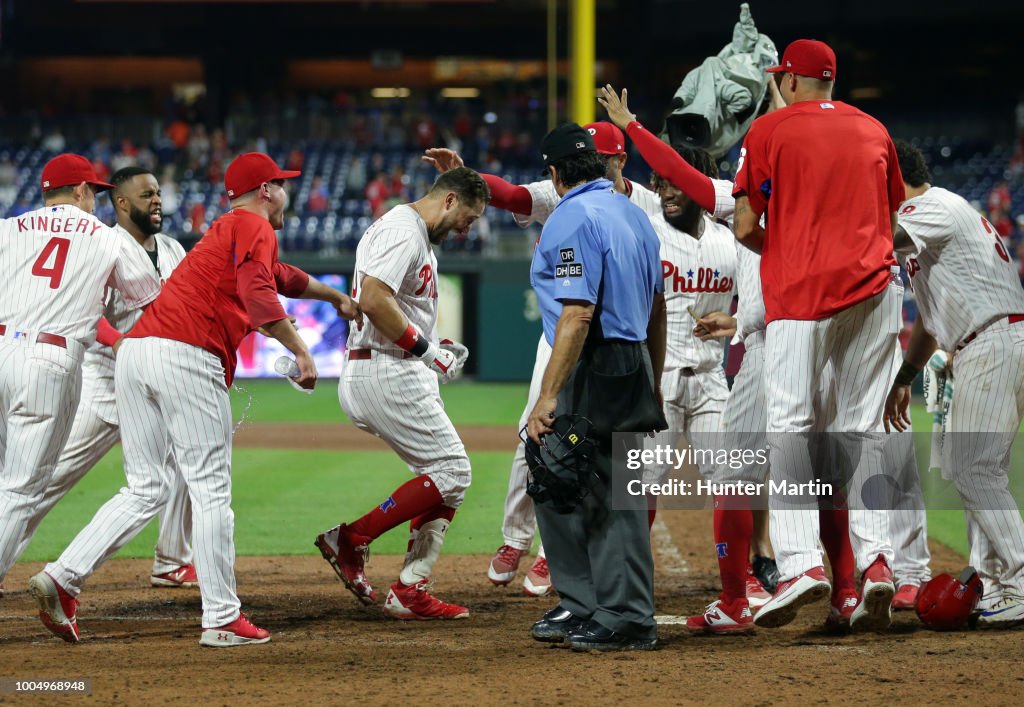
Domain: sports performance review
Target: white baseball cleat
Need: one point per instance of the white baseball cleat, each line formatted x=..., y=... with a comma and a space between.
x=1005, y=613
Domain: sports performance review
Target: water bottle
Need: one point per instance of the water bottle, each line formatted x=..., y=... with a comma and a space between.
x=287, y=367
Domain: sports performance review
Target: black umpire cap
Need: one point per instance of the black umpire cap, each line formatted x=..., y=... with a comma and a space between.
x=566, y=140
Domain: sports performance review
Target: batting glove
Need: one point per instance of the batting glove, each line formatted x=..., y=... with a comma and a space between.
x=442, y=362
x=460, y=351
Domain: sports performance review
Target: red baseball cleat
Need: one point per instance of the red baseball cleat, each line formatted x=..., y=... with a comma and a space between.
x=417, y=604
x=237, y=633
x=537, y=582
x=874, y=612
x=843, y=604
x=184, y=576
x=504, y=565
x=348, y=559
x=905, y=597
x=724, y=617
x=791, y=595
x=757, y=596
x=58, y=610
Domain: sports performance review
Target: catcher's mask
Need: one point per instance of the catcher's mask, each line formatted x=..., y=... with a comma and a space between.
x=562, y=465
x=947, y=602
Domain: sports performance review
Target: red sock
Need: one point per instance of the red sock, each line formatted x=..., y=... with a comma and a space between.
x=438, y=511
x=409, y=500
x=733, y=527
x=835, y=536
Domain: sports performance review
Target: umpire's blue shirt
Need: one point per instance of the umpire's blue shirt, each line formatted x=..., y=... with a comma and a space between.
x=597, y=234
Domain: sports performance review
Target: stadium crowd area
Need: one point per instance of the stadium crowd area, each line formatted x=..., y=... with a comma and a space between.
x=359, y=157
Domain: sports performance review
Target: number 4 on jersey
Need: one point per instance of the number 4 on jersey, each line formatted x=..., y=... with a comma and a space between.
x=50, y=263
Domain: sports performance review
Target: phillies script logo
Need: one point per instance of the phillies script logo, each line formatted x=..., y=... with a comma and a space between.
x=694, y=279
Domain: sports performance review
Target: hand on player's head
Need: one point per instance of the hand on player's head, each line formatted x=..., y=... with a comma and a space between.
x=442, y=158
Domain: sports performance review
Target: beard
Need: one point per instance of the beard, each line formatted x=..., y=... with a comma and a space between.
x=686, y=220
x=142, y=219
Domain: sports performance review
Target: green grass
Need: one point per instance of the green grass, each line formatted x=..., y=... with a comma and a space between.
x=467, y=403
x=284, y=498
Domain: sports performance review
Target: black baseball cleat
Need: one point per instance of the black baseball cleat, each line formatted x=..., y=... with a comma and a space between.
x=595, y=637
x=767, y=573
x=556, y=625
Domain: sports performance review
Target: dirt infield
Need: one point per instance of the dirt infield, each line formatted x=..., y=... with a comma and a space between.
x=140, y=644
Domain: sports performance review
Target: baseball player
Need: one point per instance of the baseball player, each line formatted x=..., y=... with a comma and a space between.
x=827, y=177
x=970, y=301
x=938, y=394
x=172, y=375
x=533, y=203
x=136, y=199
x=56, y=262
x=390, y=388
x=908, y=521
x=744, y=421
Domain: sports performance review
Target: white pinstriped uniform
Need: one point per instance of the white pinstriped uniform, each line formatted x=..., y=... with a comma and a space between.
x=859, y=343
x=744, y=420
x=96, y=430
x=56, y=262
x=908, y=521
x=389, y=395
x=699, y=273
x=966, y=288
x=169, y=393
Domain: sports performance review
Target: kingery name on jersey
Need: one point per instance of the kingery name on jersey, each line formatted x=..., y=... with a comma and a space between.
x=59, y=224
x=694, y=279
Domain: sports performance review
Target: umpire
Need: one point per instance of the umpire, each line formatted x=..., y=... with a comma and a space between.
x=597, y=275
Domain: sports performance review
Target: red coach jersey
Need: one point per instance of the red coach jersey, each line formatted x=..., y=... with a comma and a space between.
x=828, y=176
x=200, y=303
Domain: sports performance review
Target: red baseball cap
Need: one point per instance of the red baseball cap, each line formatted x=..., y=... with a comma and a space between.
x=248, y=171
x=608, y=139
x=808, y=57
x=69, y=169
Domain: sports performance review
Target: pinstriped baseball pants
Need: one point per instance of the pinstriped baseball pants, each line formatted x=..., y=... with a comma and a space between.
x=169, y=395
x=859, y=344
x=39, y=391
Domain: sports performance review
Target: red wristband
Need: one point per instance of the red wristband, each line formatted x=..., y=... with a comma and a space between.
x=106, y=334
x=408, y=338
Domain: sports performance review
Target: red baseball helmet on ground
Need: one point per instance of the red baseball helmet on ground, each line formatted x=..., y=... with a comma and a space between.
x=946, y=602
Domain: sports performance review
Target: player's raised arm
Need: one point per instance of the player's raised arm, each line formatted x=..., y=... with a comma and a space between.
x=504, y=195
x=660, y=156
